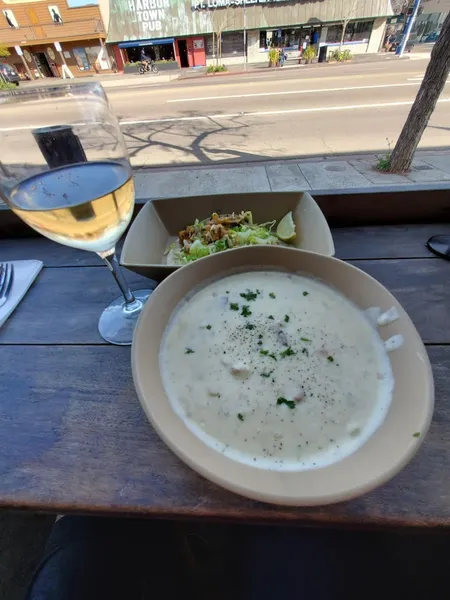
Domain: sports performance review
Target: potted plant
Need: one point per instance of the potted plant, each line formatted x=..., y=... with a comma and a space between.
x=167, y=65
x=273, y=57
x=309, y=54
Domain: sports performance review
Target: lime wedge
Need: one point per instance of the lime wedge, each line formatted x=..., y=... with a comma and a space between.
x=286, y=228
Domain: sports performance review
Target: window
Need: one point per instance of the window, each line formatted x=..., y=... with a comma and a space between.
x=10, y=19
x=359, y=31
x=55, y=14
x=263, y=40
x=334, y=34
x=286, y=38
x=232, y=44
x=82, y=59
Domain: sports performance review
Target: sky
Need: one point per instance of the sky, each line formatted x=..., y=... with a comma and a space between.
x=77, y=3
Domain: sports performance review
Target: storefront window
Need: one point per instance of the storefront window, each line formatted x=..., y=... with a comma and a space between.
x=286, y=38
x=96, y=57
x=358, y=32
x=155, y=52
x=232, y=45
x=334, y=34
x=263, y=40
x=355, y=32
x=82, y=59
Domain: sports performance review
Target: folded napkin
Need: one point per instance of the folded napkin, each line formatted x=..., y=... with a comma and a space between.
x=25, y=272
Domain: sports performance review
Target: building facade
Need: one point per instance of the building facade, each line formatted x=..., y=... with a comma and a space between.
x=47, y=37
x=187, y=30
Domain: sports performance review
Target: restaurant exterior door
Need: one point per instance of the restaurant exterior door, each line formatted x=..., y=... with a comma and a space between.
x=183, y=53
x=42, y=64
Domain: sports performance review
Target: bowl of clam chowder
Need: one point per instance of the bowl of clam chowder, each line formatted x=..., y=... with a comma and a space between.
x=285, y=376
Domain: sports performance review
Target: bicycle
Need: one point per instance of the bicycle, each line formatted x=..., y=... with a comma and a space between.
x=146, y=67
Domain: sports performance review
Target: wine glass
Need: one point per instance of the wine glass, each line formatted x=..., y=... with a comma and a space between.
x=64, y=170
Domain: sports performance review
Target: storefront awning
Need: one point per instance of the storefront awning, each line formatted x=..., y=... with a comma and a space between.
x=135, y=43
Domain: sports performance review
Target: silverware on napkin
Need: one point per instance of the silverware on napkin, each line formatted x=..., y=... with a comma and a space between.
x=15, y=279
x=6, y=279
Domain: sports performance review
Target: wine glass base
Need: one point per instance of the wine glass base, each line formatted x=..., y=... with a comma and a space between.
x=116, y=324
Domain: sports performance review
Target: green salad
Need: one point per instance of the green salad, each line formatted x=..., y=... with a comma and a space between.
x=224, y=232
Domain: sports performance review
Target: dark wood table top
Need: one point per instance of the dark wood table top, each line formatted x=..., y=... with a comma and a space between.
x=73, y=436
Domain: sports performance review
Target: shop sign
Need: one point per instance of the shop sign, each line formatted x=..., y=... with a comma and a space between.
x=154, y=19
x=149, y=14
x=211, y=4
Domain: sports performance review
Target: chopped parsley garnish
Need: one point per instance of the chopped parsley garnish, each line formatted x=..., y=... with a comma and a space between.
x=305, y=351
x=249, y=326
x=305, y=340
x=240, y=417
x=208, y=326
x=271, y=317
x=260, y=343
x=272, y=295
x=189, y=351
x=272, y=355
x=227, y=292
x=264, y=352
x=417, y=434
x=234, y=306
x=287, y=352
x=286, y=318
x=330, y=359
x=266, y=374
x=305, y=293
x=246, y=312
x=249, y=295
x=289, y=403
x=260, y=336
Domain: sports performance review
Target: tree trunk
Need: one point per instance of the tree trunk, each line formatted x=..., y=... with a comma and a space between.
x=424, y=104
x=344, y=27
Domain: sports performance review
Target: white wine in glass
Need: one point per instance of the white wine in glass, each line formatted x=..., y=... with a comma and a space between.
x=72, y=182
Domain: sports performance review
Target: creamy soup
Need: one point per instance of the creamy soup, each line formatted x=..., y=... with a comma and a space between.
x=275, y=370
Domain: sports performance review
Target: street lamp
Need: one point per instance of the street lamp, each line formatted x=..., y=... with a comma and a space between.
x=245, y=37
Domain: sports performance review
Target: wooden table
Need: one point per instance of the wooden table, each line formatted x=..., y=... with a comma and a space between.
x=73, y=436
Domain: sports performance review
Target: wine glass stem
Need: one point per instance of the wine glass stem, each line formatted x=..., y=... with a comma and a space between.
x=112, y=263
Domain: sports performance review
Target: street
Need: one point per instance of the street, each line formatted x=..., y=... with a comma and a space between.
x=258, y=116
x=276, y=114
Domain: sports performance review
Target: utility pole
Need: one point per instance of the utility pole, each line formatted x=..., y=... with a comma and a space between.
x=245, y=37
x=409, y=25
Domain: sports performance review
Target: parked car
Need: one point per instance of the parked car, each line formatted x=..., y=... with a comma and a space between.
x=9, y=74
x=431, y=37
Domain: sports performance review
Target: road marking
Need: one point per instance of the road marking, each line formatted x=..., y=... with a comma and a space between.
x=273, y=112
x=338, y=89
x=245, y=114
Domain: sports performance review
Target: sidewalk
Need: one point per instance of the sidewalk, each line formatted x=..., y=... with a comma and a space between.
x=321, y=175
x=240, y=69
x=115, y=80
x=431, y=169
x=110, y=80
